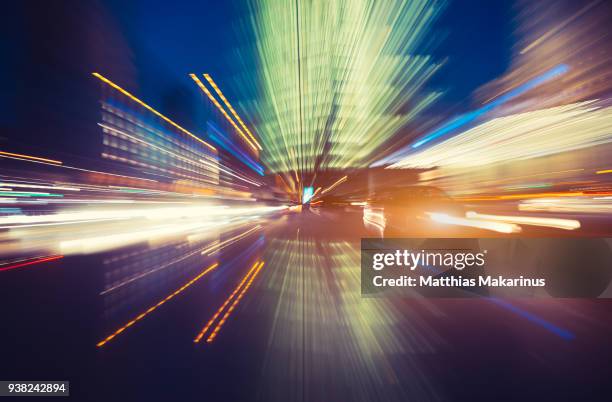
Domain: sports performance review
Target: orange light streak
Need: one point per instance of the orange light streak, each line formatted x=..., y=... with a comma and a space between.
x=338, y=182
x=223, y=112
x=156, y=306
x=231, y=109
x=35, y=158
x=214, y=333
x=149, y=108
x=227, y=301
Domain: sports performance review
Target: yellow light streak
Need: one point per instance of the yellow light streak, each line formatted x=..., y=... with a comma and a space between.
x=149, y=108
x=215, y=332
x=223, y=112
x=500, y=227
x=231, y=109
x=36, y=158
x=520, y=136
x=227, y=301
x=153, y=308
x=566, y=224
x=521, y=196
x=339, y=181
x=578, y=204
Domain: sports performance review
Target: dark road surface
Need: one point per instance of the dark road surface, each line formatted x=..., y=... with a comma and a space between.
x=300, y=332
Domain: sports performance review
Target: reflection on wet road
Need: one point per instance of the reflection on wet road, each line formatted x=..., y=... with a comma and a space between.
x=273, y=312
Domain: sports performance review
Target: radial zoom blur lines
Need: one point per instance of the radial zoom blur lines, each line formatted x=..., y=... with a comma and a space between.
x=240, y=290
x=252, y=142
x=154, y=307
x=337, y=78
x=522, y=136
x=149, y=108
x=28, y=157
x=24, y=263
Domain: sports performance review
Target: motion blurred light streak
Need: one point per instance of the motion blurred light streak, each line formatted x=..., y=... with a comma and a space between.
x=154, y=307
x=24, y=264
x=354, y=80
x=500, y=227
x=589, y=205
x=307, y=194
x=149, y=272
x=51, y=187
x=246, y=287
x=220, y=245
x=28, y=157
x=193, y=211
x=520, y=136
x=153, y=145
x=82, y=169
x=469, y=117
x=137, y=138
x=149, y=108
x=233, y=173
x=549, y=33
x=561, y=332
x=227, y=302
x=566, y=224
x=23, y=194
x=115, y=240
x=322, y=327
x=221, y=140
x=334, y=184
x=231, y=109
x=521, y=196
x=93, y=229
x=223, y=112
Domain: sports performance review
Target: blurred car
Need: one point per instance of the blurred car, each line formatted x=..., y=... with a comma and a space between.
x=338, y=203
x=403, y=212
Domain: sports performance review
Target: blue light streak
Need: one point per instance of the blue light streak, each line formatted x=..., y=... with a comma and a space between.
x=307, y=194
x=471, y=116
x=222, y=141
x=563, y=333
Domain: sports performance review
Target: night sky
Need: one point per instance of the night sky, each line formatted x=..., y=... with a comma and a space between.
x=151, y=46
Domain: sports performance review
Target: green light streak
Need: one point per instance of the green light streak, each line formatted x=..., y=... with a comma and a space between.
x=363, y=73
x=22, y=194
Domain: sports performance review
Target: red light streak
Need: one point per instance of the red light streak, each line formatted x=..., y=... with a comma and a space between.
x=36, y=261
